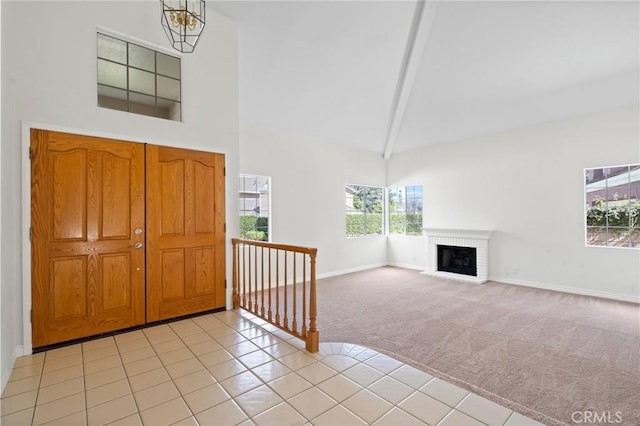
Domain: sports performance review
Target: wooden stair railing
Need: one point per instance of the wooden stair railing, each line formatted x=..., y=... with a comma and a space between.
x=268, y=282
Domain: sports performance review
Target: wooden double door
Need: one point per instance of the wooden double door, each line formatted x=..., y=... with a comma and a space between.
x=122, y=234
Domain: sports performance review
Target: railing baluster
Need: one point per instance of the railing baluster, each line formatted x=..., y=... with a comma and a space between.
x=262, y=282
x=304, y=295
x=286, y=311
x=278, y=288
x=255, y=279
x=250, y=285
x=249, y=302
x=244, y=275
x=294, y=325
x=269, y=272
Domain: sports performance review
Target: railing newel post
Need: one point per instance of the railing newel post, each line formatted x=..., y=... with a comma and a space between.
x=313, y=336
x=234, y=282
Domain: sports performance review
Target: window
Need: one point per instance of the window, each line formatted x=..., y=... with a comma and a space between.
x=255, y=207
x=364, y=210
x=405, y=210
x=612, y=206
x=136, y=79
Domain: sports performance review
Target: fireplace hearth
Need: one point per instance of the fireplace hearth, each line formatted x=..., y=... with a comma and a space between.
x=457, y=260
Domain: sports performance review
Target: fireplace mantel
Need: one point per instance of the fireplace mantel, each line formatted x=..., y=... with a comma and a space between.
x=478, y=239
x=460, y=233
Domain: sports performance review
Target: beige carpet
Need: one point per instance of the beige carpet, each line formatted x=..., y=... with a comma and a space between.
x=545, y=354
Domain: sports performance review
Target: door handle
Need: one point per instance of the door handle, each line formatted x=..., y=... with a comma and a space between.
x=137, y=245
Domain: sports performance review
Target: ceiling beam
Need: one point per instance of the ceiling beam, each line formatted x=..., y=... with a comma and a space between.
x=423, y=17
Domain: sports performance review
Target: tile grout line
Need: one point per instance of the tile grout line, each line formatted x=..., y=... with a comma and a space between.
x=182, y=395
x=267, y=383
x=385, y=374
x=84, y=387
x=254, y=340
x=128, y=384
x=339, y=373
x=33, y=415
x=164, y=366
x=35, y=408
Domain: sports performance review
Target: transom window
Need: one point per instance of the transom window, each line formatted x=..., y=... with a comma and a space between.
x=612, y=206
x=137, y=79
x=405, y=210
x=364, y=210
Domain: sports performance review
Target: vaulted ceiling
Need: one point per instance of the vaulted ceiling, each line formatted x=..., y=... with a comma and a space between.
x=391, y=76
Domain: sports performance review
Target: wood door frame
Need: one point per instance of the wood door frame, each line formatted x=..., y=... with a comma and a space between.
x=26, y=126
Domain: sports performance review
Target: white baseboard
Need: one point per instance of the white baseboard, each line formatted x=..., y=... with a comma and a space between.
x=563, y=289
x=407, y=266
x=503, y=280
x=350, y=270
x=8, y=367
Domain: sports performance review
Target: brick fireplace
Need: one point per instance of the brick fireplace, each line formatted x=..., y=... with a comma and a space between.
x=458, y=254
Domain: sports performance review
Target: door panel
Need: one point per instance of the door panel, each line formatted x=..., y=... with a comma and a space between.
x=204, y=205
x=185, y=232
x=69, y=193
x=115, y=291
x=116, y=212
x=87, y=197
x=68, y=287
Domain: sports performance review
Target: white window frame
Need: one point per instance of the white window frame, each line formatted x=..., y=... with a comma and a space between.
x=347, y=187
x=157, y=49
x=406, y=213
x=612, y=190
x=258, y=194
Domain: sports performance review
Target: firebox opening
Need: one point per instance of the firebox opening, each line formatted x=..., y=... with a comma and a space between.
x=458, y=260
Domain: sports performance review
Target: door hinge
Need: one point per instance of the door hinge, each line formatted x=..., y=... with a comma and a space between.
x=225, y=284
x=225, y=227
x=31, y=315
x=30, y=153
x=224, y=171
x=30, y=234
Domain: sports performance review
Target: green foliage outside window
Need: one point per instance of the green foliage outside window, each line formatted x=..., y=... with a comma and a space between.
x=405, y=223
x=624, y=214
x=359, y=224
x=397, y=223
x=405, y=210
x=262, y=225
x=365, y=210
x=254, y=228
x=414, y=224
x=369, y=199
x=612, y=206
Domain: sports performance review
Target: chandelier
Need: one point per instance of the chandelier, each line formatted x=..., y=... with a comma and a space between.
x=183, y=22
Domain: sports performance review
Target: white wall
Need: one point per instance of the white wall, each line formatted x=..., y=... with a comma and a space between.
x=307, y=194
x=49, y=76
x=527, y=185
x=3, y=379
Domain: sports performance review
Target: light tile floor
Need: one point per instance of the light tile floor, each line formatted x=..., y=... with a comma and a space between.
x=232, y=368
